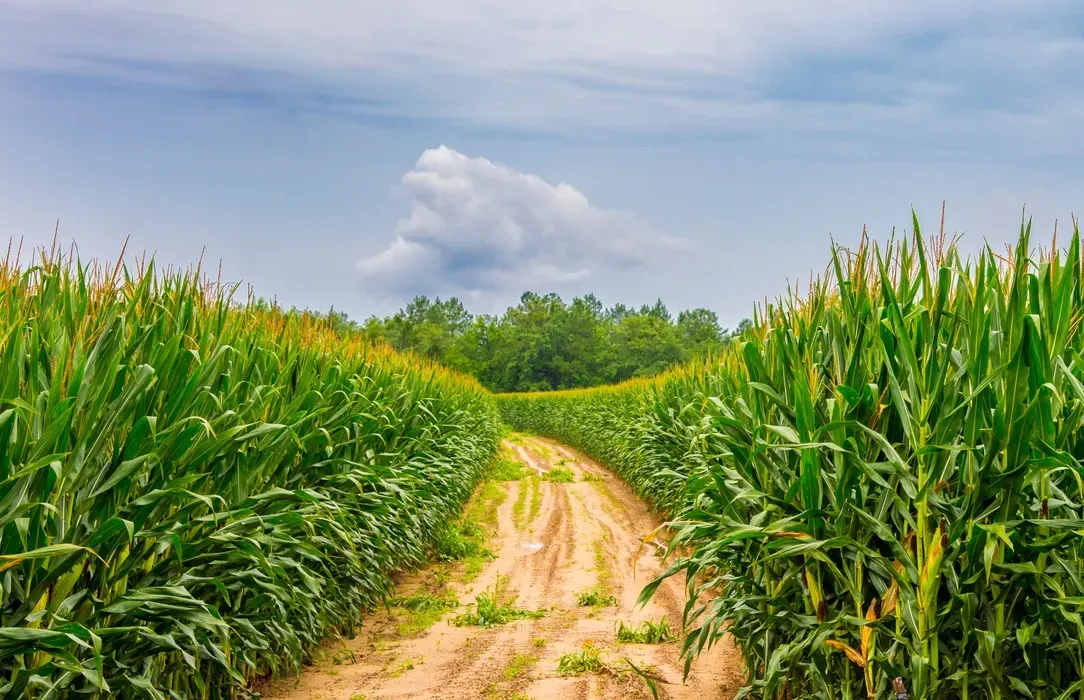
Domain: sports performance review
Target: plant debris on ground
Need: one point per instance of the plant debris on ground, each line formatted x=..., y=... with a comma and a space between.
x=495, y=607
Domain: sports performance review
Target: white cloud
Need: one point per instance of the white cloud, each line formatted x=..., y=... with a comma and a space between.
x=478, y=229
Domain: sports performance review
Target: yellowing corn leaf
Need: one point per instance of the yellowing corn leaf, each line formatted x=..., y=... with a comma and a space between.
x=888, y=603
x=867, y=630
x=848, y=650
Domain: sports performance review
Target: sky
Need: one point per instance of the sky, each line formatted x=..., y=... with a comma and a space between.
x=354, y=153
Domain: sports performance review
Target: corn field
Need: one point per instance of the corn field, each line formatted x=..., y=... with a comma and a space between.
x=881, y=480
x=195, y=493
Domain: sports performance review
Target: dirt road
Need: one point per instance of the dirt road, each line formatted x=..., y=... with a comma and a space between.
x=553, y=541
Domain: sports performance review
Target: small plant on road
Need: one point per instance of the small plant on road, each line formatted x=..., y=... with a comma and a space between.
x=647, y=632
x=424, y=610
x=403, y=665
x=494, y=607
x=536, y=498
x=596, y=597
x=506, y=469
x=560, y=475
x=518, y=666
x=590, y=660
x=586, y=660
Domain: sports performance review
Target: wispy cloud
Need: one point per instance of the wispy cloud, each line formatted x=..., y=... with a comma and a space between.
x=480, y=229
x=815, y=68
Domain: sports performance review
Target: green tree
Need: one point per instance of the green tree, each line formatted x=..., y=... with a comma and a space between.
x=429, y=327
x=644, y=344
x=542, y=343
x=699, y=331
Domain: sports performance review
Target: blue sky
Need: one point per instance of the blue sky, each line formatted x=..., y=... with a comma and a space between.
x=357, y=153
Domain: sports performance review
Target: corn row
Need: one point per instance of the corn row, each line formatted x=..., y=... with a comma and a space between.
x=882, y=479
x=194, y=492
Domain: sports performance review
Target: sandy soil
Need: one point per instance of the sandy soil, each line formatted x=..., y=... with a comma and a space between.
x=582, y=534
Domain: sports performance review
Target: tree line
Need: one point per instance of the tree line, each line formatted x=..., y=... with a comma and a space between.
x=544, y=343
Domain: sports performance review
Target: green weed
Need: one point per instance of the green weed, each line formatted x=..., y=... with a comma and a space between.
x=505, y=469
x=587, y=660
x=483, y=508
x=518, y=666
x=647, y=632
x=405, y=664
x=542, y=449
x=474, y=566
x=460, y=540
x=559, y=475
x=520, y=506
x=494, y=607
x=536, y=498
x=597, y=597
x=424, y=611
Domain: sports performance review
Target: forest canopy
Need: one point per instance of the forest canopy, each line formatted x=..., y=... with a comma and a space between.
x=545, y=343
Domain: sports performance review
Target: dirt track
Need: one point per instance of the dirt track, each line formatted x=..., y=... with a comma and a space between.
x=566, y=539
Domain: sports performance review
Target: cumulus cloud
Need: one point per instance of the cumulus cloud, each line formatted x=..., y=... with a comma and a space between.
x=480, y=229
